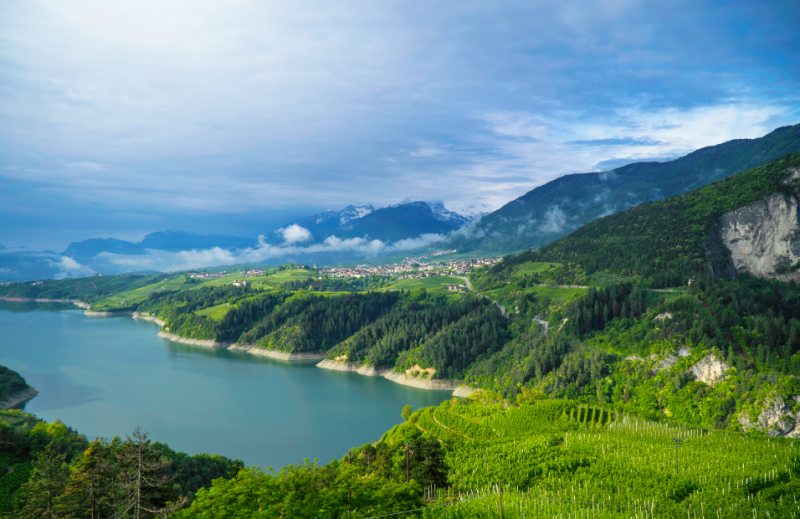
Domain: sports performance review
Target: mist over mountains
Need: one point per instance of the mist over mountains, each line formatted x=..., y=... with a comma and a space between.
x=330, y=236
x=537, y=218
x=559, y=207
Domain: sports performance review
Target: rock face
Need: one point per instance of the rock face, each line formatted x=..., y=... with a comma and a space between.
x=18, y=398
x=399, y=378
x=667, y=363
x=710, y=370
x=762, y=237
x=776, y=419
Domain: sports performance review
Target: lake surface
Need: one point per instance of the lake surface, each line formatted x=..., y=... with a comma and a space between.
x=105, y=376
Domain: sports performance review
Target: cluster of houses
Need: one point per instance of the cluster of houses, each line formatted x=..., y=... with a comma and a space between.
x=252, y=273
x=207, y=275
x=411, y=268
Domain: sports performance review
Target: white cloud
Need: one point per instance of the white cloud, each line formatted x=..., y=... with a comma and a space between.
x=295, y=234
x=555, y=220
x=69, y=268
x=264, y=253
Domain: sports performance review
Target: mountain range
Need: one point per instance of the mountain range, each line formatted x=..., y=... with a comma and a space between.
x=561, y=206
x=533, y=220
x=388, y=224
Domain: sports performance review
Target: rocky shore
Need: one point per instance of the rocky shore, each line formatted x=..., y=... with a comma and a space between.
x=456, y=386
x=275, y=354
x=18, y=397
x=75, y=302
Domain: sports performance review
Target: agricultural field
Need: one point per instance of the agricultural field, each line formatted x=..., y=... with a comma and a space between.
x=560, y=459
x=215, y=312
x=436, y=284
x=532, y=268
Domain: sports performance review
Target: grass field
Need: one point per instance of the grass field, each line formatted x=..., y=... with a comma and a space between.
x=434, y=284
x=532, y=268
x=558, y=295
x=215, y=312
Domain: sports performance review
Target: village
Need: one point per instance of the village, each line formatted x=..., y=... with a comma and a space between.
x=411, y=268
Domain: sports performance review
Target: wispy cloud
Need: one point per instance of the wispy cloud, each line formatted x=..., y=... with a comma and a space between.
x=208, y=110
x=166, y=261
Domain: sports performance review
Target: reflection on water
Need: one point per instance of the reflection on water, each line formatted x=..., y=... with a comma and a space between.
x=104, y=376
x=32, y=306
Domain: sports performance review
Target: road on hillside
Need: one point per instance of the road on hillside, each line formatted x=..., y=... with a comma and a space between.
x=469, y=287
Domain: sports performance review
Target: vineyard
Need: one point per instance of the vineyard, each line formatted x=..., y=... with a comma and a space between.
x=556, y=459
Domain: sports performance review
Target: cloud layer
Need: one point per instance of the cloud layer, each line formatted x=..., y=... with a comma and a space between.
x=165, y=261
x=207, y=115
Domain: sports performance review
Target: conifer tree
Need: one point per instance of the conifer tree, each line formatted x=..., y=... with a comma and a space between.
x=39, y=497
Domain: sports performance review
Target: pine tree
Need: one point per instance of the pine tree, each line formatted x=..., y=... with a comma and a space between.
x=87, y=492
x=40, y=495
x=146, y=489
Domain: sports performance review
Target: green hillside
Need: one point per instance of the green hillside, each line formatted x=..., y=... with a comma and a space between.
x=557, y=208
x=532, y=458
x=664, y=242
x=602, y=357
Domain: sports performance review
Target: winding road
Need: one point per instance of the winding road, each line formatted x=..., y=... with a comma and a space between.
x=469, y=287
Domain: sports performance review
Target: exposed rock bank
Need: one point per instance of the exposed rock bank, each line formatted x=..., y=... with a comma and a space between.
x=400, y=378
x=275, y=354
x=194, y=342
x=361, y=369
x=89, y=313
x=147, y=317
x=18, y=397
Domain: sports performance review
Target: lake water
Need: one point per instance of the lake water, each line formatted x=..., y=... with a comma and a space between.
x=105, y=376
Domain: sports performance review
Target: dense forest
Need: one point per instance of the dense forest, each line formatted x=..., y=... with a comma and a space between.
x=532, y=456
x=611, y=342
x=50, y=470
x=10, y=382
x=664, y=243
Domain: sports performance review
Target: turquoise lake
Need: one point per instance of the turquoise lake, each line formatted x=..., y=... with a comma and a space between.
x=105, y=376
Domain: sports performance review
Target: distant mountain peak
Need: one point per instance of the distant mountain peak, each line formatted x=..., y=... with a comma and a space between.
x=352, y=212
x=439, y=211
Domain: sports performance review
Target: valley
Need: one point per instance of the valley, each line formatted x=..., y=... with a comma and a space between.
x=574, y=366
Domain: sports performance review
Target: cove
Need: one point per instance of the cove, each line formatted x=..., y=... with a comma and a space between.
x=105, y=376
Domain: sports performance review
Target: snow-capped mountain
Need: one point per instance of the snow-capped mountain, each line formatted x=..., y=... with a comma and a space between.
x=441, y=213
x=352, y=212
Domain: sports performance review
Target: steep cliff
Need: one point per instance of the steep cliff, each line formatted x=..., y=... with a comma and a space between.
x=762, y=238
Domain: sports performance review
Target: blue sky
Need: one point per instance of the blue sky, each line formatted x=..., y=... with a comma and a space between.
x=122, y=118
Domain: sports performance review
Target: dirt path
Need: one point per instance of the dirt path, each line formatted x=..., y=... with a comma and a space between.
x=443, y=426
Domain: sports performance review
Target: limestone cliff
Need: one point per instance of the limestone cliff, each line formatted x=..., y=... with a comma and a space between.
x=775, y=419
x=762, y=238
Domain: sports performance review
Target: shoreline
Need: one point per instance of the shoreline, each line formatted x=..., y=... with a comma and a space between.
x=18, y=397
x=456, y=386
x=76, y=302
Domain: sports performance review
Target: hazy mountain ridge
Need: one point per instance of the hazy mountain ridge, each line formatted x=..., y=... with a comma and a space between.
x=707, y=231
x=561, y=206
x=388, y=224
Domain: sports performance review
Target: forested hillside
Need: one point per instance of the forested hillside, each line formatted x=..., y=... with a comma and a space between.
x=612, y=343
x=10, y=382
x=558, y=208
x=652, y=330
x=50, y=470
x=664, y=243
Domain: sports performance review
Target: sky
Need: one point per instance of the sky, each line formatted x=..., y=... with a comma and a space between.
x=237, y=117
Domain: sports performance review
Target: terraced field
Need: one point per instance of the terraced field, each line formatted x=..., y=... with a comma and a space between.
x=559, y=459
